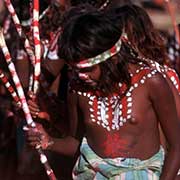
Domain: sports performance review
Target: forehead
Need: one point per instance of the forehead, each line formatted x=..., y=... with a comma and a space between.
x=86, y=69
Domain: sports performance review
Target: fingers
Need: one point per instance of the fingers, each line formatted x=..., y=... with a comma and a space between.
x=37, y=137
x=35, y=113
x=32, y=104
x=31, y=95
x=43, y=115
x=30, y=129
x=34, y=108
x=33, y=137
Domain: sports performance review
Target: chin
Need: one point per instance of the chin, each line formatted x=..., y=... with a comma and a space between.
x=93, y=84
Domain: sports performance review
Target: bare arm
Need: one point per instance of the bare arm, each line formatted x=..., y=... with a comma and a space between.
x=176, y=96
x=165, y=108
x=177, y=102
x=67, y=145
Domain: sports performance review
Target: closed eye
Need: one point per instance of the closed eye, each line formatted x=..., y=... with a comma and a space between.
x=88, y=69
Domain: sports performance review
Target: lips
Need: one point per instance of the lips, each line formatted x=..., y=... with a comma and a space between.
x=91, y=82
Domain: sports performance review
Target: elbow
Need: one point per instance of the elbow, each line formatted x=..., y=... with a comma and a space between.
x=73, y=147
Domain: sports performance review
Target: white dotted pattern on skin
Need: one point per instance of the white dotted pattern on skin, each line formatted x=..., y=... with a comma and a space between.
x=103, y=104
x=164, y=69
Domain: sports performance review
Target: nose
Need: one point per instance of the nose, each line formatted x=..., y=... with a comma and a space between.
x=83, y=76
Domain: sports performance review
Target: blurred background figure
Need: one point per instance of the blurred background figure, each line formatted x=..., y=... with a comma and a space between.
x=2, y=9
x=173, y=48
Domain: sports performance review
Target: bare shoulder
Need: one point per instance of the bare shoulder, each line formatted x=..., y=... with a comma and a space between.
x=157, y=80
x=158, y=86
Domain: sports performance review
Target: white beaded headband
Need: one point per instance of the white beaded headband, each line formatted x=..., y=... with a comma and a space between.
x=103, y=56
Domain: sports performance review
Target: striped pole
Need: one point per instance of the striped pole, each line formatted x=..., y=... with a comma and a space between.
x=10, y=88
x=20, y=31
x=37, y=45
x=22, y=98
x=27, y=45
x=53, y=41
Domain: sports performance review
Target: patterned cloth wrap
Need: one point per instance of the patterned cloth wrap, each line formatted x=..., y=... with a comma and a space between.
x=90, y=166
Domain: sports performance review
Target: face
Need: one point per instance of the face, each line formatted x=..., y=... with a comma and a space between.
x=90, y=75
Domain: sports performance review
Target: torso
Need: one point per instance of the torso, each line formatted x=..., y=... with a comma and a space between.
x=134, y=132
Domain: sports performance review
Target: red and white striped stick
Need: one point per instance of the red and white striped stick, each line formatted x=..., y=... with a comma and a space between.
x=27, y=45
x=22, y=97
x=31, y=77
x=37, y=45
x=20, y=31
x=53, y=41
x=15, y=78
x=10, y=88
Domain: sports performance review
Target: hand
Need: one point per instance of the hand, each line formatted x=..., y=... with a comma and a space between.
x=37, y=137
x=35, y=109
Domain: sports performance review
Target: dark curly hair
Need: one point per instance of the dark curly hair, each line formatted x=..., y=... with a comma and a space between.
x=141, y=32
x=89, y=34
x=95, y=3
